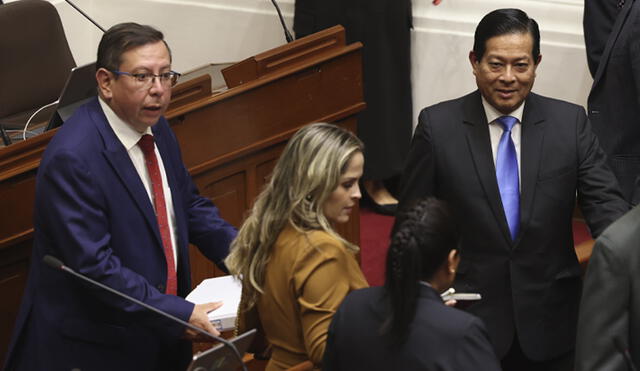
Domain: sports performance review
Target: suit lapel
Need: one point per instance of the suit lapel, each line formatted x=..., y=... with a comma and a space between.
x=613, y=36
x=163, y=148
x=475, y=121
x=121, y=164
x=532, y=137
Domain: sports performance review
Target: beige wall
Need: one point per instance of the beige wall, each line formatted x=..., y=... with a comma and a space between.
x=204, y=31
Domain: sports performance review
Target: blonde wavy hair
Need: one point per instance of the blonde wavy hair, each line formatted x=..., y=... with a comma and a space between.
x=306, y=174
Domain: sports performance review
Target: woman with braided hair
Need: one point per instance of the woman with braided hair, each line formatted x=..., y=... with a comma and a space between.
x=405, y=325
x=295, y=268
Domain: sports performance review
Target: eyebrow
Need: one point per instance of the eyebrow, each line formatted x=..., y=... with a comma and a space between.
x=349, y=179
x=524, y=57
x=143, y=68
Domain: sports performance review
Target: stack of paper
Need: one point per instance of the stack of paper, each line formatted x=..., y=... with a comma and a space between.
x=225, y=289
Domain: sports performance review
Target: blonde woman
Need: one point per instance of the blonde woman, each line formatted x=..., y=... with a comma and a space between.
x=294, y=267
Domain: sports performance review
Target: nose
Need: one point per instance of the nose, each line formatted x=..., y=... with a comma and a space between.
x=156, y=88
x=508, y=76
x=356, y=192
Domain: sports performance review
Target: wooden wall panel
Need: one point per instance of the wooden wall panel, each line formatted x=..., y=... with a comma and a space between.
x=14, y=268
x=228, y=194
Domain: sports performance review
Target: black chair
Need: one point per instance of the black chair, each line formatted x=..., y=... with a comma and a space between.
x=35, y=60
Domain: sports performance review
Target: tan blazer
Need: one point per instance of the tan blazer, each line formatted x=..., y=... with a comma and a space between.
x=307, y=277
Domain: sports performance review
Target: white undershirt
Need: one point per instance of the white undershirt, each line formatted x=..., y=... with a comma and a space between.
x=495, y=131
x=129, y=138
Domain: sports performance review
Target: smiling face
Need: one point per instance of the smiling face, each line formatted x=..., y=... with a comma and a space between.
x=137, y=106
x=339, y=205
x=506, y=72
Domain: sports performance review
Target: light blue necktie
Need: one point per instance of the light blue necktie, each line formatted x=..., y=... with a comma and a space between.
x=507, y=175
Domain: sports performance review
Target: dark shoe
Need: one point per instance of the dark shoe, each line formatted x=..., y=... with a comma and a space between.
x=384, y=209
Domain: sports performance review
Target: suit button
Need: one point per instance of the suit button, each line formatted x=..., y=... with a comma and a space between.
x=160, y=287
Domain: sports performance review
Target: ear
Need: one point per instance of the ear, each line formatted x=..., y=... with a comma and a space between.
x=535, y=65
x=474, y=62
x=105, y=81
x=538, y=60
x=453, y=259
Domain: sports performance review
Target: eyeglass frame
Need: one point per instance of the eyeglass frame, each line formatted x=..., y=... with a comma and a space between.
x=174, y=79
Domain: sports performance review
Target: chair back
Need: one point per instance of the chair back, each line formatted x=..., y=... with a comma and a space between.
x=35, y=58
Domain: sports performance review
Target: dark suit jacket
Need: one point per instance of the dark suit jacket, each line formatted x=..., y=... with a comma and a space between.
x=93, y=212
x=614, y=101
x=440, y=337
x=531, y=284
x=610, y=306
x=597, y=22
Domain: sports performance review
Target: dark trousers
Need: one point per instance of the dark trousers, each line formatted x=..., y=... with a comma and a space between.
x=516, y=360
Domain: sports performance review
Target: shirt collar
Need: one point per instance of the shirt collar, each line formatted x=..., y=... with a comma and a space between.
x=127, y=135
x=493, y=114
x=425, y=283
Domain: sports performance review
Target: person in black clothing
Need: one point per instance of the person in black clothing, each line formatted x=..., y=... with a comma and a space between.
x=385, y=126
x=405, y=325
x=597, y=22
x=614, y=100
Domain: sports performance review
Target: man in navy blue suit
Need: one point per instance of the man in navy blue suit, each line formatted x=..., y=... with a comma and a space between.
x=123, y=213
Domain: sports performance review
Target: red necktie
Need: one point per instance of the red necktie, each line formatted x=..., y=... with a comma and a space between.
x=147, y=145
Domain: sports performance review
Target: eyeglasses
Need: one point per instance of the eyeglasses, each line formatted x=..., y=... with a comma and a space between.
x=145, y=80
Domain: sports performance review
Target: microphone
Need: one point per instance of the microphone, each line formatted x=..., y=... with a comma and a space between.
x=287, y=34
x=85, y=15
x=625, y=353
x=5, y=137
x=55, y=263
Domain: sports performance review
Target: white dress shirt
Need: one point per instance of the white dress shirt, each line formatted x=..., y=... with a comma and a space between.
x=495, y=131
x=129, y=138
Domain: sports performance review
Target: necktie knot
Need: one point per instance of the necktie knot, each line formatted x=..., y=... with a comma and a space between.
x=146, y=143
x=507, y=122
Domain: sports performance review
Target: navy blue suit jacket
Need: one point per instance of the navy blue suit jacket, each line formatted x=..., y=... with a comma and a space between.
x=440, y=337
x=93, y=212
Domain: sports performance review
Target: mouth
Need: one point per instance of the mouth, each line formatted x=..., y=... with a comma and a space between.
x=153, y=108
x=506, y=93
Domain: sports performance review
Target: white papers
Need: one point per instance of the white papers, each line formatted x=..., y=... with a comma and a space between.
x=226, y=289
x=451, y=294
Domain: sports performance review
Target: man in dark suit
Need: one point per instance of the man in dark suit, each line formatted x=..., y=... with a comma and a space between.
x=614, y=101
x=115, y=202
x=609, y=322
x=510, y=162
x=597, y=22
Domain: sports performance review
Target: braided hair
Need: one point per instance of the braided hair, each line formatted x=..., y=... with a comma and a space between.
x=422, y=238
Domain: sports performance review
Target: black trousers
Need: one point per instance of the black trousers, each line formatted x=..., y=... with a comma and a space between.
x=516, y=360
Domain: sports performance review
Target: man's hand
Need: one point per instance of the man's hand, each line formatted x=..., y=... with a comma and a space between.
x=200, y=319
x=437, y=2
